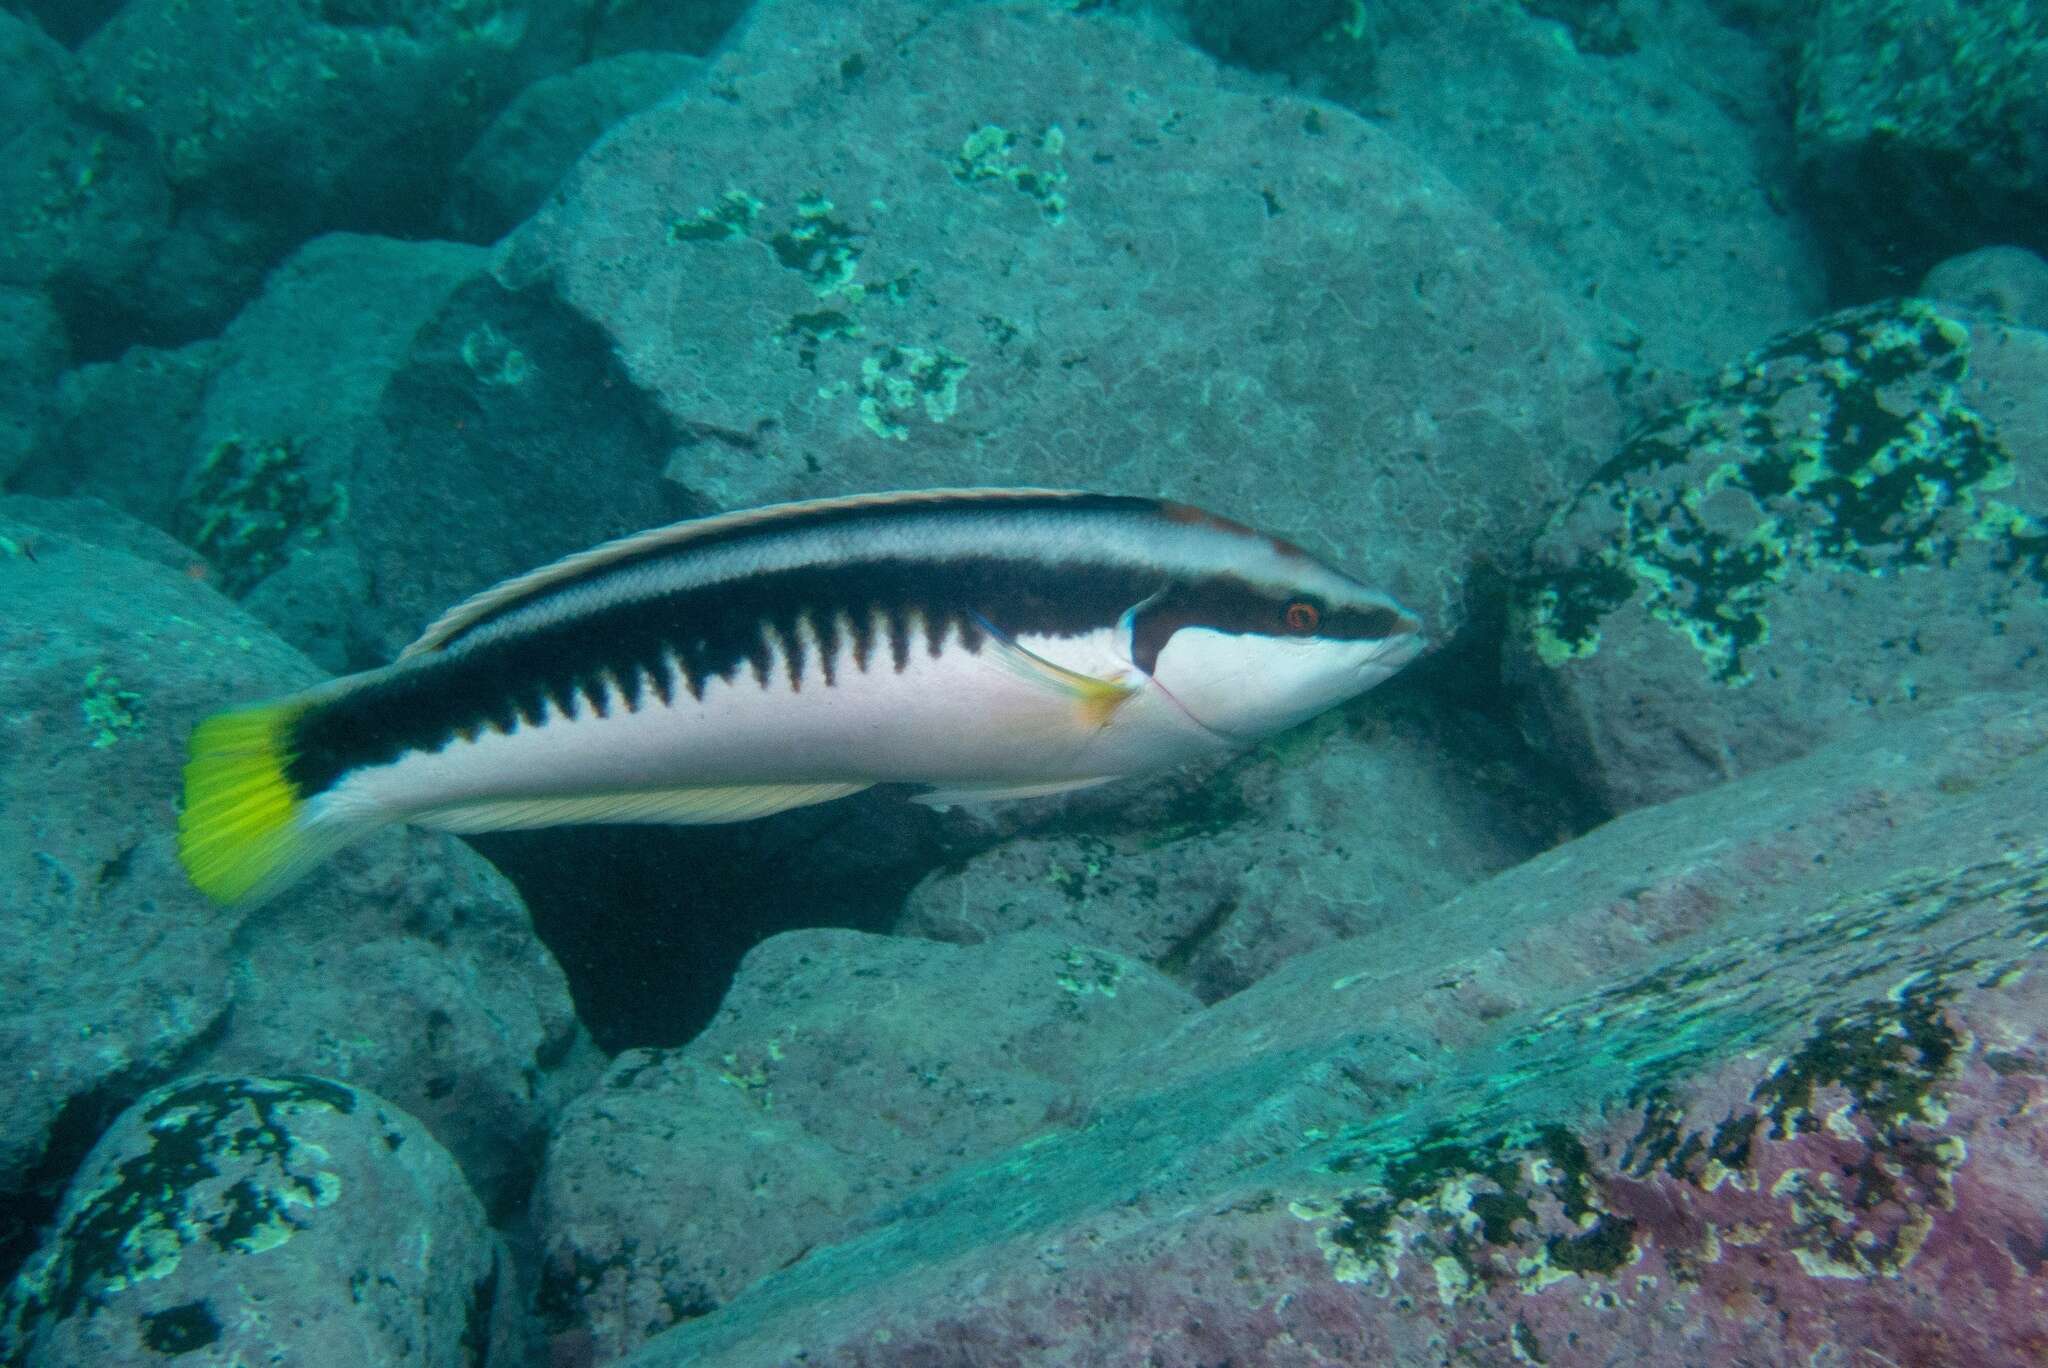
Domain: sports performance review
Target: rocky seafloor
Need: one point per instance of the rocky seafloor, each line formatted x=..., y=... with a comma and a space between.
x=1650, y=974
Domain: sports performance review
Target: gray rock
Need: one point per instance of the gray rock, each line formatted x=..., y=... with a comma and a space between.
x=274, y=123
x=1847, y=527
x=1013, y=246
x=84, y=208
x=695, y=26
x=1923, y=134
x=1339, y=828
x=123, y=431
x=118, y=975
x=539, y=136
x=32, y=353
x=1749, y=1077
x=844, y=1070
x=2006, y=283
x=34, y=72
x=249, y=1220
x=1637, y=159
x=375, y=386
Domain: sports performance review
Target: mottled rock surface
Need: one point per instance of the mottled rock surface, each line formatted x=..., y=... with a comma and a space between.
x=1850, y=525
x=254, y=1220
x=116, y=975
x=1084, y=255
x=546, y=127
x=1754, y=1076
x=1361, y=818
x=1923, y=132
x=843, y=1072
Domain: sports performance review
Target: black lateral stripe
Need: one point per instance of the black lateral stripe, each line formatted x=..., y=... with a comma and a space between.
x=713, y=631
x=827, y=519
x=826, y=625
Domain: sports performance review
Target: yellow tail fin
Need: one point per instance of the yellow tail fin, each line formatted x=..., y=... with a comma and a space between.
x=244, y=832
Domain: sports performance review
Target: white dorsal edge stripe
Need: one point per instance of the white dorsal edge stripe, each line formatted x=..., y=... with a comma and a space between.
x=534, y=582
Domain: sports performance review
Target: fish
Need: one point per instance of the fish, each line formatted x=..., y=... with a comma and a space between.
x=985, y=644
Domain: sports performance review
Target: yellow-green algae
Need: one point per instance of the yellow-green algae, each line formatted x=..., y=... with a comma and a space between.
x=1847, y=448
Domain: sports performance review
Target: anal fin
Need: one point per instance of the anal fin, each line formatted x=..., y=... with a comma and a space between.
x=675, y=806
x=997, y=793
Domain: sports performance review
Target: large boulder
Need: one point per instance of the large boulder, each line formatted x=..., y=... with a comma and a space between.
x=116, y=975
x=251, y=1220
x=1002, y=244
x=843, y=1071
x=1754, y=1076
x=1850, y=525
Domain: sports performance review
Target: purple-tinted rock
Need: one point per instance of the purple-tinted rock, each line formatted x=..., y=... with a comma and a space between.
x=1757, y=1076
x=1637, y=158
x=843, y=1071
x=253, y=1220
x=1333, y=830
x=115, y=974
x=539, y=136
x=1923, y=133
x=276, y=122
x=123, y=431
x=2006, y=283
x=1847, y=527
x=1014, y=246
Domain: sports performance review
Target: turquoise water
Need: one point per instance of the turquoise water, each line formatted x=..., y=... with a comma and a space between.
x=1642, y=973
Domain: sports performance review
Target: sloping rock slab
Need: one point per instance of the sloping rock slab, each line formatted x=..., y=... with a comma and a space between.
x=843, y=1070
x=1850, y=526
x=1755, y=1076
x=1004, y=245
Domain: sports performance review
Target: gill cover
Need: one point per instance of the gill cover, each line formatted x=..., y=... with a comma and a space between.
x=1246, y=660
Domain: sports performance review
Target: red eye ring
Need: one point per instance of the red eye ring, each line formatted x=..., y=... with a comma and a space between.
x=1302, y=617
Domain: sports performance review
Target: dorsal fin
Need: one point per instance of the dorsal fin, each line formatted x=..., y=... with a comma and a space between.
x=534, y=583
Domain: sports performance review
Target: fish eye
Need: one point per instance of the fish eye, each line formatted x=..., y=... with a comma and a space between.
x=1301, y=617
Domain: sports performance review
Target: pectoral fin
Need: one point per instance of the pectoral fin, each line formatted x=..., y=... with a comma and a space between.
x=1098, y=699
